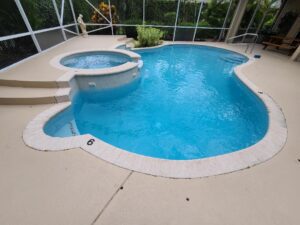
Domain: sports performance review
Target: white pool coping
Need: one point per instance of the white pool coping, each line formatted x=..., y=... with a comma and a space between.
x=265, y=149
x=56, y=61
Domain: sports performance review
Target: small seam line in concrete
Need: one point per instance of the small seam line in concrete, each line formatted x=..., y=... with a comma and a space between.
x=112, y=197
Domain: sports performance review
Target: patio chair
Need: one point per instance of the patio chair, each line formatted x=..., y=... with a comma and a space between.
x=282, y=43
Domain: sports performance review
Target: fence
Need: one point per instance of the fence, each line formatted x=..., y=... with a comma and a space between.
x=32, y=26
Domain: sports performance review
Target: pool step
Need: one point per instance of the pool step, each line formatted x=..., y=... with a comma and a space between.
x=233, y=59
x=28, y=84
x=32, y=96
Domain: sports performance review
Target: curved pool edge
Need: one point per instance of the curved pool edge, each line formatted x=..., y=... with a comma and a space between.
x=207, y=44
x=265, y=149
x=56, y=61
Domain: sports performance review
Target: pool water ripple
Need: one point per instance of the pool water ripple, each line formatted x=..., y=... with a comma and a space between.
x=187, y=104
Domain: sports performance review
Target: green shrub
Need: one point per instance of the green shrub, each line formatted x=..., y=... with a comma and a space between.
x=148, y=36
x=187, y=24
x=130, y=31
x=169, y=18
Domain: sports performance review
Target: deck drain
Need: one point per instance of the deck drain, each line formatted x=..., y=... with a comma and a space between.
x=187, y=199
x=298, y=160
x=260, y=92
x=257, y=56
x=121, y=188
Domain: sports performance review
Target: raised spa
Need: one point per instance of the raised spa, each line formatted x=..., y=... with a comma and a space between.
x=95, y=60
x=187, y=104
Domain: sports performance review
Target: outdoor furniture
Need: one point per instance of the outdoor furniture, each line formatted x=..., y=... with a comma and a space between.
x=282, y=43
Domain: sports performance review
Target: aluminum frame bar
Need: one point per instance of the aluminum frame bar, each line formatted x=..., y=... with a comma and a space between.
x=225, y=21
x=59, y=19
x=144, y=13
x=69, y=31
x=101, y=28
x=112, y=29
x=198, y=18
x=87, y=1
x=74, y=16
x=13, y=36
x=62, y=11
x=27, y=23
x=175, y=26
x=252, y=19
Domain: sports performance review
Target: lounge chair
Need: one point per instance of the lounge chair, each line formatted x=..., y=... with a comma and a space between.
x=283, y=43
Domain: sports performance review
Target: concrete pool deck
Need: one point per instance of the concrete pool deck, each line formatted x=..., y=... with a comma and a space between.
x=73, y=187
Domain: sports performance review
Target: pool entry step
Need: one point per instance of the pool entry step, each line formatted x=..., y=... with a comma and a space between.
x=233, y=59
x=30, y=96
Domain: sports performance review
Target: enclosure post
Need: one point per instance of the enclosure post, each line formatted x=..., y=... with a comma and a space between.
x=236, y=20
x=252, y=19
x=296, y=54
x=295, y=28
x=261, y=23
x=144, y=12
x=174, y=34
x=198, y=18
x=27, y=23
x=112, y=29
x=62, y=11
x=74, y=16
x=278, y=16
x=225, y=20
x=59, y=20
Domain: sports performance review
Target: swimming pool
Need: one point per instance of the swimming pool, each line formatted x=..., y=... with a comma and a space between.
x=188, y=104
x=94, y=60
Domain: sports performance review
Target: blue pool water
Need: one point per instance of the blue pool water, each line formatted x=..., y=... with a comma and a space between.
x=94, y=60
x=187, y=104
